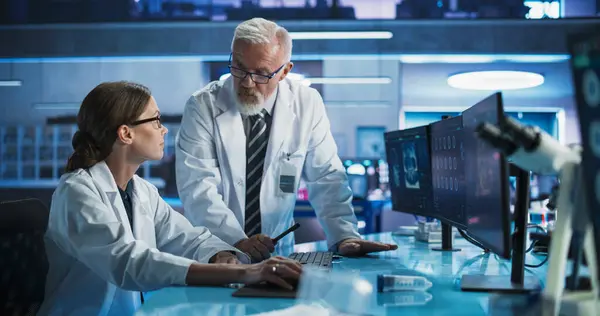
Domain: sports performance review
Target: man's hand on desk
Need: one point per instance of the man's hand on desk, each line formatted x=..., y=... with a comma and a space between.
x=225, y=257
x=259, y=247
x=354, y=247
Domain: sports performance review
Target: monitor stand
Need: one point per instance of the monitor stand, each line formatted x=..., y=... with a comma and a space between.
x=518, y=282
x=447, y=239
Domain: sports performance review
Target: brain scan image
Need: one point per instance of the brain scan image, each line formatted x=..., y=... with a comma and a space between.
x=396, y=172
x=411, y=170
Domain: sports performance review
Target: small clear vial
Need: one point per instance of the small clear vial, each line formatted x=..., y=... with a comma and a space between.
x=388, y=283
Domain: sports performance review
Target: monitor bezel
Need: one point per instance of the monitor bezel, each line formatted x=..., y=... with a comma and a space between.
x=397, y=133
x=505, y=190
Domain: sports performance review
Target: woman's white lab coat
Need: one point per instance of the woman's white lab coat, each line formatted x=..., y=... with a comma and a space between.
x=97, y=264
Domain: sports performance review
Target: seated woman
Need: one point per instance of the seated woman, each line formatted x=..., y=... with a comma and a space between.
x=111, y=236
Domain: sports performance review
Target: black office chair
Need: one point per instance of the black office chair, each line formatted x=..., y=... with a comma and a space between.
x=23, y=262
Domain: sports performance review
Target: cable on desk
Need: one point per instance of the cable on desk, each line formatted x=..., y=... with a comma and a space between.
x=468, y=263
x=533, y=243
x=539, y=264
x=538, y=227
x=471, y=240
x=502, y=263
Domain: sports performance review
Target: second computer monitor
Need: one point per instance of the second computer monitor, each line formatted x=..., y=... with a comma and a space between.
x=448, y=172
x=487, y=188
x=409, y=170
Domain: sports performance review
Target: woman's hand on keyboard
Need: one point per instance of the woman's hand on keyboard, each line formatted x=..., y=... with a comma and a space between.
x=277, y=270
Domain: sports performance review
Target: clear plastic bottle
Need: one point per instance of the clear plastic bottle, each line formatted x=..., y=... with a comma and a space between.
x=388, y=283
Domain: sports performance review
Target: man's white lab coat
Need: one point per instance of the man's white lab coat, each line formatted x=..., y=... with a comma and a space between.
x=211, y=164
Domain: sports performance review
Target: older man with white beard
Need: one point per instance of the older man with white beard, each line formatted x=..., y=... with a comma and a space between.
x=245, y=142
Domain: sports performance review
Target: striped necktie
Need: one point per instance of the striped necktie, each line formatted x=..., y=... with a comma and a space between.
x=256, y=149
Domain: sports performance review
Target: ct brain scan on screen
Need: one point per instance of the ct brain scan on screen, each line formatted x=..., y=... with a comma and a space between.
x=409, y=162
x=411, y=169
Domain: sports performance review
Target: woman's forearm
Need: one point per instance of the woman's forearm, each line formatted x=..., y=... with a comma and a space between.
x=215, y=274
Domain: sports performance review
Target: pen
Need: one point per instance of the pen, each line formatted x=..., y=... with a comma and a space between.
x=289, y=230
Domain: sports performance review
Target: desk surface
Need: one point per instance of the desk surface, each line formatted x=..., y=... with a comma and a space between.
x=413, y=258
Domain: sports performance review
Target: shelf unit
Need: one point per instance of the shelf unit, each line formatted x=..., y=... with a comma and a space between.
x=35, y=156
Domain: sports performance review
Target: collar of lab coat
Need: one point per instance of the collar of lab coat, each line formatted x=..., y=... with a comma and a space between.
x=232, y=131
x=225, y=101
x=105, y=180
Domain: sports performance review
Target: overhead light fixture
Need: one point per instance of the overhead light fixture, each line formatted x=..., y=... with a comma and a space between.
x=351, y=80
x=442, y=58
x=11, y=83
x=341, y=35
x=446, y=59
x=291, y=75
x=495, y=80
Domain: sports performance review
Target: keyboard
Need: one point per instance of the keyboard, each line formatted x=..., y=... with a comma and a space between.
x=321, y=259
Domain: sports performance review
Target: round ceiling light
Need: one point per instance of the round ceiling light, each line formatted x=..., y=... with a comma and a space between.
x=495, y=80
x=291, y=75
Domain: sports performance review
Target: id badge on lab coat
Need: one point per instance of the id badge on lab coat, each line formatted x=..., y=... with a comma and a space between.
x=287, y=177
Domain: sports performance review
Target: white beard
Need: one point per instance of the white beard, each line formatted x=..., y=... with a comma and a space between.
x=248, y=109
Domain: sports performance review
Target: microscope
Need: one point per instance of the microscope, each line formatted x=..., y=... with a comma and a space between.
x=534, y=150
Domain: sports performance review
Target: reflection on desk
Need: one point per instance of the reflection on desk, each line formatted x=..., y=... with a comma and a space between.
x=443, y=269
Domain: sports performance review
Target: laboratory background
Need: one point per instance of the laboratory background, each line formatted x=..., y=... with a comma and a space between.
x=380, y=66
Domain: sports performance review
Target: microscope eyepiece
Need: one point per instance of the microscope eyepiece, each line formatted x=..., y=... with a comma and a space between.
x=495, y=137
x=527, y=137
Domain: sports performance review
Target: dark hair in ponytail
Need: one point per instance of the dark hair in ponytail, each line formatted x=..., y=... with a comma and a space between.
x=107, y=107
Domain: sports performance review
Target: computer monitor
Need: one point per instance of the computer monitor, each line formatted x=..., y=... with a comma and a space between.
x=448, y=172
x=409, y=167
x=585, y=64
x=487, y=188
x=487, y=201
